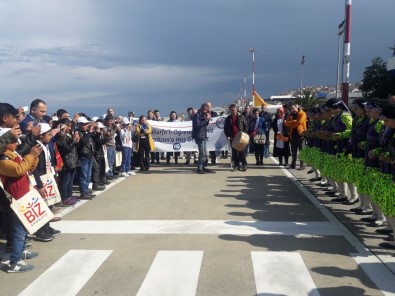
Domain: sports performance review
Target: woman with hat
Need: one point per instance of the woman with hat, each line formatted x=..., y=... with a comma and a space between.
x=371, y=163
x=340, y=138
x=384, y=190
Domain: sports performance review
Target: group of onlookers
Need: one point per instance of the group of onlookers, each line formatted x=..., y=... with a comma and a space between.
x=79, y=150
x=346, y=150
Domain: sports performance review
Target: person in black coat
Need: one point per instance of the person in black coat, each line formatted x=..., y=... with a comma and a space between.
x=281, y=145
x=67, y=146
x=234, y=123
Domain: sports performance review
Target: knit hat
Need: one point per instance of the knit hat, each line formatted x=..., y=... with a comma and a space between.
x=360, y=102
x=389, y=111
x=376, y=103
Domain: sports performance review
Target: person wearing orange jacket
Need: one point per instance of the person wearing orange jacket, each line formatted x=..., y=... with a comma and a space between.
x=296, y=122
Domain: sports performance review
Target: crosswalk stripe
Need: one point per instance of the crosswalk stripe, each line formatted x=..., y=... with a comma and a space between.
x=281, y=273
x=69, y=274
x=173, y=273
x=198, y=227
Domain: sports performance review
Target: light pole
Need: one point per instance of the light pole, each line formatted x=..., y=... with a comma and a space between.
x=253, y=51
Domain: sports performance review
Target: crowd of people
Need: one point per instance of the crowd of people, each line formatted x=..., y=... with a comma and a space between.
x=352, y=154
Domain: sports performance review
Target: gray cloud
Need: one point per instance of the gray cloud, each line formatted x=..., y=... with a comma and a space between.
x=176, y=53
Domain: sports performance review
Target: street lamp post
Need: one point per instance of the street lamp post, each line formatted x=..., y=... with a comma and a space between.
x=301, y=75
x=253, y=51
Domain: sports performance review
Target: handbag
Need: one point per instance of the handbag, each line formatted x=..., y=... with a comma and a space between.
x=52, y=194
x=30, y=209
x=71, y=160
x=259, y=139
x=282, y=138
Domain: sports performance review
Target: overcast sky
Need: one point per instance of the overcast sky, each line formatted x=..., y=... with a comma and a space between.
x=87, y=55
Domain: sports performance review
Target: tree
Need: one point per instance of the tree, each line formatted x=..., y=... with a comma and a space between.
x=307, y=99
x=376, y=81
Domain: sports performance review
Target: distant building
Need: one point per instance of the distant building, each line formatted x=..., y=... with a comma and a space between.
x=352, y=95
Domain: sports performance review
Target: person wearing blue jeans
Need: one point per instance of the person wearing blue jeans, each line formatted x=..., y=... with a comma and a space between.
x=126, y=159
x=200, y=121
x=110, y=133
x=67, y=145
x=111, y=160
x=14, y=181
x=202, y=157
x=86, y=152
x=84, y=176
x=66, y=177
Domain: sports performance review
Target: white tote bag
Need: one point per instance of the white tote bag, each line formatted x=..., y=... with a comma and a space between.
x=52, y=194
x=31, y=210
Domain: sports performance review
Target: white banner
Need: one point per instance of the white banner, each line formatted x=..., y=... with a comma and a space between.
x=177, y=136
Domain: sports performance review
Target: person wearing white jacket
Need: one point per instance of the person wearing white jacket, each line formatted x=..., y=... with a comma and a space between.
x=126, y=138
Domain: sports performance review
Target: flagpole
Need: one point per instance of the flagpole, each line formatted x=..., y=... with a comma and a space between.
x=347, y=53
x=253, y=51
x=340, y=33
x=301, y=75
x=245, y=88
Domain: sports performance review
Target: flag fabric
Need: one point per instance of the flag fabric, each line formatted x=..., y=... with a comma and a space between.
x=258, y=101
x=302, y=62
x=341, y=27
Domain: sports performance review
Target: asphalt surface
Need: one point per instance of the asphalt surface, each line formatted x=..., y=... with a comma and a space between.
x=170, y=231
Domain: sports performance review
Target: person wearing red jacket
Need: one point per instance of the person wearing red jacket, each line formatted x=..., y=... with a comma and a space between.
x=13, y=174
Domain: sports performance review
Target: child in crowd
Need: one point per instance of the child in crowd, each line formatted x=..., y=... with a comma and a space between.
x=45, y=233
x=13, y=174
x=126, y=138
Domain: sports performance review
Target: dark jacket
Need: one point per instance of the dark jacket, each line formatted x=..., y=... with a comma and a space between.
x=100, y=139
x=241, y=125
x=267, y=118
x=261, y=128
x=41, y=169
x=86, y=146
x=199, y=124
x=68, y=150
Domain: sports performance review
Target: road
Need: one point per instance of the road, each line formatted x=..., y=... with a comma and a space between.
x=174, y=232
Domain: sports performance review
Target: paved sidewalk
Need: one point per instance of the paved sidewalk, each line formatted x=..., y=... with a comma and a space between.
x=365, y=233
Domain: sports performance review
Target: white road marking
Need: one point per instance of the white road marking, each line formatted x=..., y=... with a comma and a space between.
x=69, y=274
x=173, y=273
x=198, y=227
x=281, y=273
x=378, y=268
